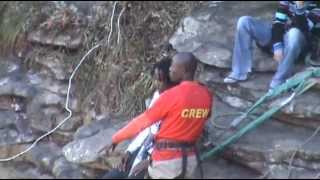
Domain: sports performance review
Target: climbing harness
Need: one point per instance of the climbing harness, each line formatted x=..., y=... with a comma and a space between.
x=185, y=148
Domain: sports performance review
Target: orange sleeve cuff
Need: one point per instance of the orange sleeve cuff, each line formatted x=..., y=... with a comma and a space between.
x=131, y=129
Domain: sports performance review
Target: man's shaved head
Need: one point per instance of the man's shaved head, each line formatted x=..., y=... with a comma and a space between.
x=183, y=66
x=189, y=61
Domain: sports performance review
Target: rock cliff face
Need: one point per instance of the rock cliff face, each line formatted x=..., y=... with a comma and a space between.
x=33, y=90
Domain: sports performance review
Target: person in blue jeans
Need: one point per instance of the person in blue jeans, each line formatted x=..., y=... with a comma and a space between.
x=286, y=37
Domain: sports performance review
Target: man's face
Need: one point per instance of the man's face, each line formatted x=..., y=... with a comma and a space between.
x=176, y=71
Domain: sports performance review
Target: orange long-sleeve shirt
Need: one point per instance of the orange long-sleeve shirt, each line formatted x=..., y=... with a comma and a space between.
x=183, y=111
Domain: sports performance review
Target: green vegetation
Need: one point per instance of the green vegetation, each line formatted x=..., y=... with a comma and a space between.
x=14, y=20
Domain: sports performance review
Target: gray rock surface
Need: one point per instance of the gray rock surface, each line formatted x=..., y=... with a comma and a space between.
x=269, y=147
x=68, y=41
x=7, y=118
x=8, y=136
x=12, y=87
x=45, y=155
x=88, y=149
x=53, y=65
x=209, y=33
x=64, y=169
x=92, y=128
x=302, y=111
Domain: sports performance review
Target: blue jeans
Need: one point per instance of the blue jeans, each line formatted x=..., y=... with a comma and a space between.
x=248, y=29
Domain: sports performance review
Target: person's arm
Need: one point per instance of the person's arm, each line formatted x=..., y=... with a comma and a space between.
x=131, y=129
x=278, y=28
x=314, y=16
x=300, y=20
x=141, y=137
x=156, y=113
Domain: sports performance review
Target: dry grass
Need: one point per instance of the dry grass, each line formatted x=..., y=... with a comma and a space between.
x=117, y=77
x=14, y=22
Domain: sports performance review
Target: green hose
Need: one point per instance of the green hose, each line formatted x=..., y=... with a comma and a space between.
x=301, y=84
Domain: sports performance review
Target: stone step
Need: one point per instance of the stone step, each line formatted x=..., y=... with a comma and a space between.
x=223, y=169
x=63, y=40
x=302, y=111
x=269, y=147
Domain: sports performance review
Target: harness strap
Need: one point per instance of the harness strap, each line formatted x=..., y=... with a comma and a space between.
x=174, y=145
x=184, y=164
x=199, y=162
x=185, y=148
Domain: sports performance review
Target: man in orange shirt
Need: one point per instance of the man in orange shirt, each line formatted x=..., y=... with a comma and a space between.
x=183, y=111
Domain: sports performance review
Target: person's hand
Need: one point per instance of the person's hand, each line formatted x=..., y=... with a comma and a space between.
x=110, y=148
x=122, y=166
x=140, y=167
x=278, y=55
